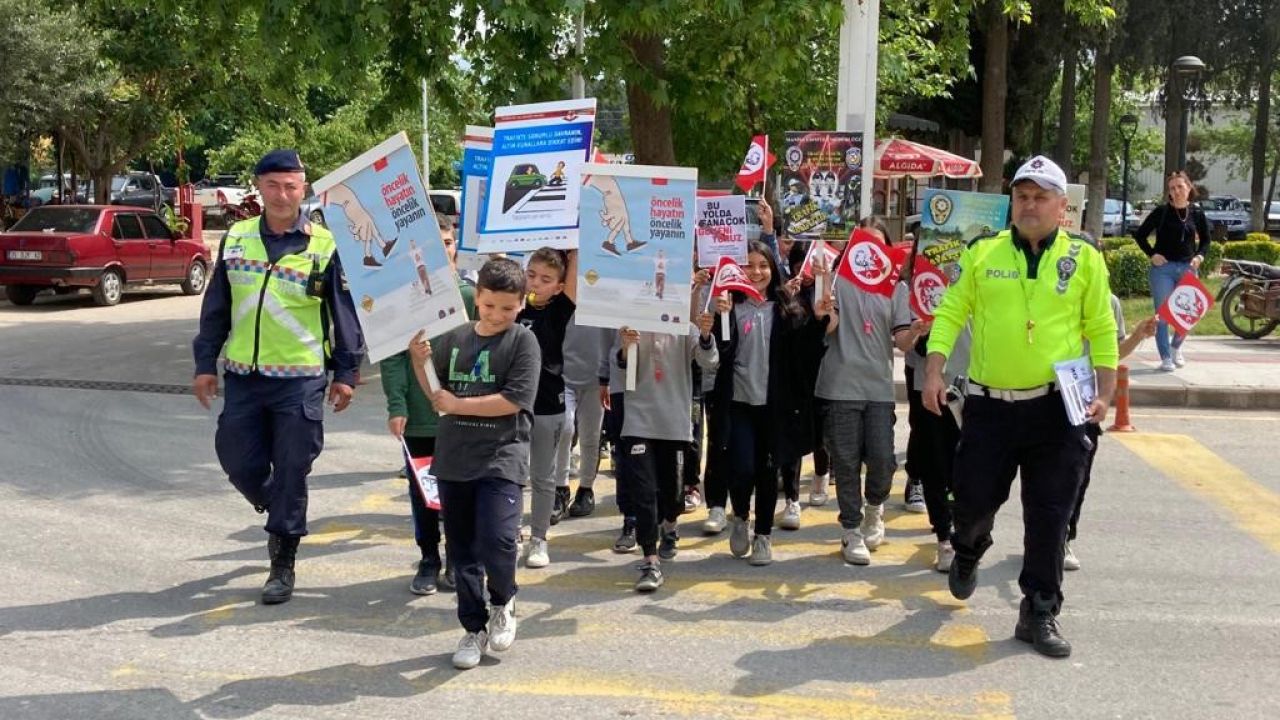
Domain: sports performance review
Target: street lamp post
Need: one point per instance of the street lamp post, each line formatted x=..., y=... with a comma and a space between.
x=1128, y=130
x=1185, y=69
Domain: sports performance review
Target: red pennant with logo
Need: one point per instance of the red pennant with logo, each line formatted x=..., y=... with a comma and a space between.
x=870, y=264
x=730, y=277
x=928, y=284
x=754, y=165
x=1189, y=301
x=831, y=255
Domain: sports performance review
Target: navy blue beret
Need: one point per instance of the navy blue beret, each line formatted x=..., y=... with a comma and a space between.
x=282, y=160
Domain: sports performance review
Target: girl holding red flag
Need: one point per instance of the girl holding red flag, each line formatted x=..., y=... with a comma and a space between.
x=864, y=316
x=770, y=409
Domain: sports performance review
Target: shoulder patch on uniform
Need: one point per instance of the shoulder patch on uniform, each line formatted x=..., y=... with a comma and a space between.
x=980, y=238
x=1085, y=238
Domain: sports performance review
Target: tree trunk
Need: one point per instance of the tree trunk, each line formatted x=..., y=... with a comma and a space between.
x=1037, y=133
x=995, y=90
x=1067, y=113
x=1266, y=64
x=1098, y=141
x=651, y=133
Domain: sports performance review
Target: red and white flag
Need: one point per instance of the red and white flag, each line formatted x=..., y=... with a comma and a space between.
x=928, y=284
x=424, y=482
x=758, y=160
x=828, y=252
x=1189, y=301
x=730, y=277
x=870, y=264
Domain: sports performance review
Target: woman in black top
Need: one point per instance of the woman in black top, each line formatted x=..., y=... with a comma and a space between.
x=1182, y=240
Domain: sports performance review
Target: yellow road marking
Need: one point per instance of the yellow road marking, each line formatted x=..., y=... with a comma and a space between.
x=838, y=704
x=1252, y=507
x=1233, y=417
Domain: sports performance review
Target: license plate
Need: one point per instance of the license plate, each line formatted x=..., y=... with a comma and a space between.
x=25, y=255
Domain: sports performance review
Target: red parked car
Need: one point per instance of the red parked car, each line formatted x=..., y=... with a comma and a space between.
x=101, y=247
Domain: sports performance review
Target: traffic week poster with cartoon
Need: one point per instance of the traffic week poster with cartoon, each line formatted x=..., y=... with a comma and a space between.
x=382, y=220
x=477, y=146
x=635, y=256
x=531, y=200
x=820, y=185
x=950, y=221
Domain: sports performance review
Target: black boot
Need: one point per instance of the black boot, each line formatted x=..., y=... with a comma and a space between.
x=962, y=579
x=424, y=582
x=1038, y=625
x=447, y=580
x=561, y=506
x=584, y=503
x=279, y=588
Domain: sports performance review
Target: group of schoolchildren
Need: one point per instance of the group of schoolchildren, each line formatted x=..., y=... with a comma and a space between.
x=773, y=379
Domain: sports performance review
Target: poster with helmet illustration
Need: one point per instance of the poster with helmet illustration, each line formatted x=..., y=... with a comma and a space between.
x=950, y=221
x=820, y=185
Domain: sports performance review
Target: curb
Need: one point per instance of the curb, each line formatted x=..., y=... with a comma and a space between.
x=1190, y=396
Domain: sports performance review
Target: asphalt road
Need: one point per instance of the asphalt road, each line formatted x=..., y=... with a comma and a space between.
x=131, y=571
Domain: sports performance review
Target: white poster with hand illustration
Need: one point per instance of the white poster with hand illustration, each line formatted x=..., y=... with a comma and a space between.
x=530, y=201
x=635, y=258
x=389, y=241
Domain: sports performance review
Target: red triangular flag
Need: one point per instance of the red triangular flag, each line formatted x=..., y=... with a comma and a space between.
x=757, y=161
x=928, y=284
x=869, y=264
x=730, y=277
x=1189, y=301
x=831, y=254
x=423, y=481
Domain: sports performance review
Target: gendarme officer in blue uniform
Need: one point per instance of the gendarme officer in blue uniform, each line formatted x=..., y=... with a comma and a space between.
x=1033, y=295
x=278, y=309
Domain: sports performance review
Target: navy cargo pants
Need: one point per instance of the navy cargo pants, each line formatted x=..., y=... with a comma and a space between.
x=269, y=433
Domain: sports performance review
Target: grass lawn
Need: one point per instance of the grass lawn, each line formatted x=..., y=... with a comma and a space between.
x=1139, y=306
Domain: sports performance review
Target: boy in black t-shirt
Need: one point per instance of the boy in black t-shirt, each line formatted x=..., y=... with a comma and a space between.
x=488, y=374
x=551, y=279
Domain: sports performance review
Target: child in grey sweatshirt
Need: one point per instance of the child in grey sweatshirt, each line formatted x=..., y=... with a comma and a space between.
x=656, y=429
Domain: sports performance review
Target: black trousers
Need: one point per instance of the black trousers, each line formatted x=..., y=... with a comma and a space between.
x=691, y=461
x=482, y=525
x=933, y=439
x=426, y=522
x=653, y=476
x=613, y=431
x=1094, y=432
x=715, y=481
x=751, y=431
x=999, y=440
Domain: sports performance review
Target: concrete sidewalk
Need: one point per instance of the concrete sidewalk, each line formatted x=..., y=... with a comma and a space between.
x=1221, y=372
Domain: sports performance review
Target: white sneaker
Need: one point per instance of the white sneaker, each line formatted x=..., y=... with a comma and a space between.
x=1069, y=559
x=502, y=626
x=761, y=551
x=1178, y=358
x=471, y=648
x=715, y=522
x=1167, y=366
x=873, y=525
x=946, y=554
x=853, y=549
x=818, y=490
x=739, y=537
x=790, y=516
x=537, y=556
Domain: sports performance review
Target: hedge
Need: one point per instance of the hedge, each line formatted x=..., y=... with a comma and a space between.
x=1128, y=267
x=1264, y=251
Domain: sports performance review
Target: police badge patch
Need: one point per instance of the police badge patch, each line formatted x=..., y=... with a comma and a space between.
x=1066, y=268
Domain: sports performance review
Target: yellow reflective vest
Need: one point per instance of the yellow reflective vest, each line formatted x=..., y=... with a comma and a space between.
x=1028, y=315
x=277, y=326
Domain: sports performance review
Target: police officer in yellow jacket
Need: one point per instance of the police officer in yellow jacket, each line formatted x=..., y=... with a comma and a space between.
x=275, y=290
x=1033, y=294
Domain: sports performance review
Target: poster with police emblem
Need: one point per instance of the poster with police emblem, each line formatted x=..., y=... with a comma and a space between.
x=820, y=186
x=385, y=227
x=635, y=259
x=951, y=220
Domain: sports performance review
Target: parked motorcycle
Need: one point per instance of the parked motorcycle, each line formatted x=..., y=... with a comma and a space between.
x=1250, y=298
x=247, y=207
